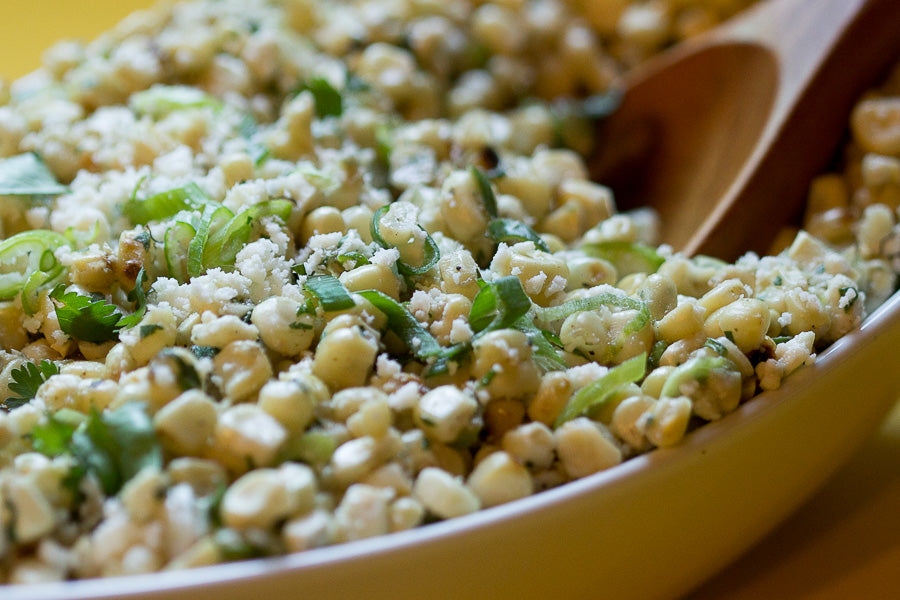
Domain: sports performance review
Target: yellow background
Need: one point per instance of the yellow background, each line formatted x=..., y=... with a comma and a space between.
x=844, y=543
x=28, y=27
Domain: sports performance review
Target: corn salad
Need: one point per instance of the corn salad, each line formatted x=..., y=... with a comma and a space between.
x=280, y=275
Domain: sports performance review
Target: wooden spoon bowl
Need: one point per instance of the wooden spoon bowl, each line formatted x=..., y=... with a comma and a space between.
x=722, y=135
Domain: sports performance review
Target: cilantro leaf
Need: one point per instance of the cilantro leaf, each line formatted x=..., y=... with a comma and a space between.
x=26, y=381
x=27, y=175
x=86, y=319
x=52, y=437
x=113, y=446
x=328, y=100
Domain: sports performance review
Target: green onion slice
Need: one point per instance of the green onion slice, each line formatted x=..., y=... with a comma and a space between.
x=27, y=175
x=716, y=346
x=555, y=313
x=225, y=243
x=511, y=231
x=331, y=293
x=178, y=236
x=499, y=304
x=627, y=257
x=696, y=369
x=544, y=346
x=487, y=192
x=28, y=259
x=139, y=297
x=165, y=204
x=432, y=252
x=599, y=392
x=160, y=100
x=420, y=342
x=213, y=218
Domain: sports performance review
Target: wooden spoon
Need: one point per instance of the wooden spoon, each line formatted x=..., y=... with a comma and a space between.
x=722, y=134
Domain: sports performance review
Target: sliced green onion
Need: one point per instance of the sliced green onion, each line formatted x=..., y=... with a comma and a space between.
x=356, y=259
x=247, y=128
x=160, y=100
x=499, y=304
x=419, y=341
x=225, y=243
x=656, y=353
x=487, y=192
x=716, y=346
x=448, y=356
x=384, y=141
x=331, y=293
x=139, y=297
x=627, y=257
x=213, y=219
x=511, y=231
x=596, y=394
x=322, y=181
x=28, y=258
x=329, y=102
x=431, y=252
x=696, y=369
x=82, y=239
x=165, y=204
x=544, y=346
x=27, y=175
x=178, y=236
x=555, y=313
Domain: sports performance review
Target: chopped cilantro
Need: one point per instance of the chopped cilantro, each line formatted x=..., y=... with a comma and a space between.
x=204, y=351
x=26, y=381
x=113, y=446
x=148, y=330
x=84, y=318
x=328, y=100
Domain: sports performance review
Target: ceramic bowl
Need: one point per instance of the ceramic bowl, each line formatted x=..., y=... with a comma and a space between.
x=652, y=527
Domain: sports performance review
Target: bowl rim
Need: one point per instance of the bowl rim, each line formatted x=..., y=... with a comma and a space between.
x=703, y=439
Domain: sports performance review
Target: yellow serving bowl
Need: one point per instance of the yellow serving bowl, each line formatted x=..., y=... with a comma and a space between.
x=652, y=527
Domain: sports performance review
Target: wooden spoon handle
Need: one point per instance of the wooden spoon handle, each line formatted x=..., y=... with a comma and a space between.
x=805, y=35
x=813, y=43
